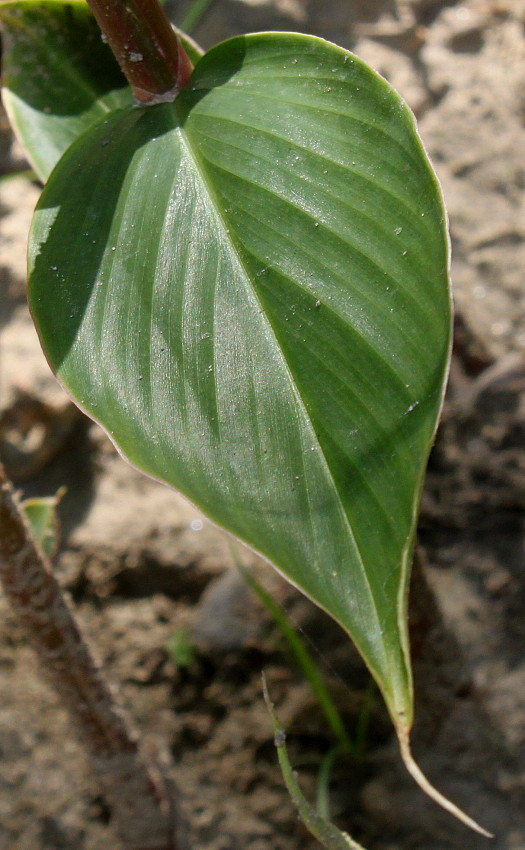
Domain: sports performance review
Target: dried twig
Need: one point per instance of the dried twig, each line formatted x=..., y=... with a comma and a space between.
x=141, y=806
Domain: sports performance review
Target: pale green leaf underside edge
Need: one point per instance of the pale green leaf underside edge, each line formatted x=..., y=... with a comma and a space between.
x=58, y=76
x=254, y=303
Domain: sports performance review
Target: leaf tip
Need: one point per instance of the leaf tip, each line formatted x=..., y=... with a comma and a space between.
x=417, y=774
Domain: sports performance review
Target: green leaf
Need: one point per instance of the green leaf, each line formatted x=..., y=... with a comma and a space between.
x=58, y=75
x=248, y=289
x=41, y=514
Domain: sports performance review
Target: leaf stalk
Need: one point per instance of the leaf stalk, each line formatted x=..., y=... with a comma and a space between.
x=146, y=47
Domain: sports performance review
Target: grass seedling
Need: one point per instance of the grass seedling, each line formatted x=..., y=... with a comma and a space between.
x=180, y=648
x=194, y=15
x=305, y=661
x=347, y=745
x=326, y=833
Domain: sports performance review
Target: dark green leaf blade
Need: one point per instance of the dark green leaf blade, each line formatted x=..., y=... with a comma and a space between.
x=59, y=77
x=249, y=290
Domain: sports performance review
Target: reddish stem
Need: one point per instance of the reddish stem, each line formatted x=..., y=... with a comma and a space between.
x=146, y=47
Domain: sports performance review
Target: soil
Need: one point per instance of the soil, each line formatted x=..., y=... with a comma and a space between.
x=147, y=572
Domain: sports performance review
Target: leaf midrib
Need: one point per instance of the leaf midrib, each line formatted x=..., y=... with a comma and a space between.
x=376, y=305
x=186, y=141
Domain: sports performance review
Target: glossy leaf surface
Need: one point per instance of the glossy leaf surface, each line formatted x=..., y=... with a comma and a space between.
x=59, y=77
x=248, y=289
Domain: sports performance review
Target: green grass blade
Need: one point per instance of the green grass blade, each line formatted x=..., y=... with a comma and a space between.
x=363, y=720
x=323, y=782
x=304, y=660
x=194, y=15
x=326, y=833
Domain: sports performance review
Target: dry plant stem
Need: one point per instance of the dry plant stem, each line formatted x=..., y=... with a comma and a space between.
x=145, y=46
x=129, y=778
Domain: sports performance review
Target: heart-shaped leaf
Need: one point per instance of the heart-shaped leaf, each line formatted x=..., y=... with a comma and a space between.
x=248, y=289
x=59, y=77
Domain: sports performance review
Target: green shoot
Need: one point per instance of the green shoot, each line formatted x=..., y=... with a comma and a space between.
x=194, y=15
x=41, y=514
x=305, y=662
x=180, y=648
x=326, y=833
x=323, y=782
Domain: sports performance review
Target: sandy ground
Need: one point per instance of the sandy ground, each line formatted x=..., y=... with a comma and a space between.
x=142, y=565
